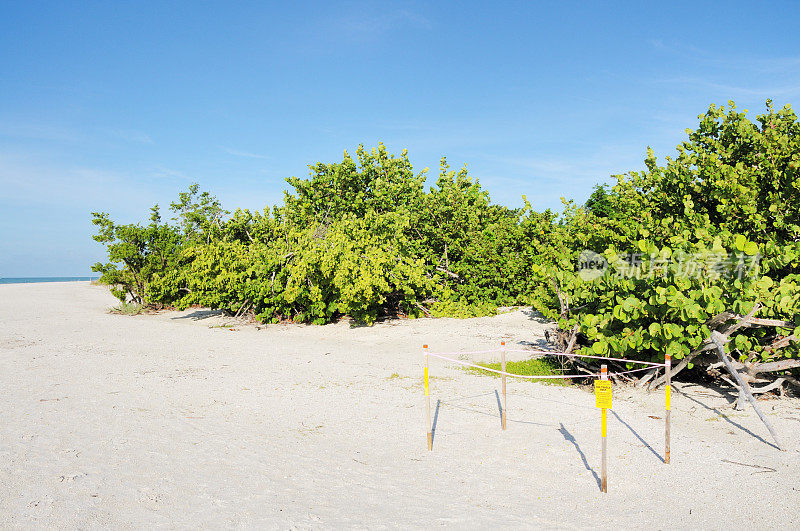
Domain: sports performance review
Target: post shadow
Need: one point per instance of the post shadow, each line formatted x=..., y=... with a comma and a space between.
x=435, y=419
x=499, y=406
x=719, y=413
x=568, y=436
x=478, y=411
x=637, y=435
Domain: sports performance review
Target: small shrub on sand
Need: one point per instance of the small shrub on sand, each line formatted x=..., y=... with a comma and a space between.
x=531, y=367
x=462, y=309
x=128, y=308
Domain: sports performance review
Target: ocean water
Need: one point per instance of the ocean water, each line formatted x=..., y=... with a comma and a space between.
x=30, y=280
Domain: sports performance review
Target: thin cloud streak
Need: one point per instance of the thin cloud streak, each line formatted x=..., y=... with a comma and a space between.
x=246, y=154
x=131, y=135
x=746, y=63
x=733, y=90
x=369, y=24
x=167, y=173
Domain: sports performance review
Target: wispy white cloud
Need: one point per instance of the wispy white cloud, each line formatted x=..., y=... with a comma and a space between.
x=748, y=75
x=746, y=62
x=27, y=181
x=764, y=91
x=545, y=178
x=131, y=135
x=167, y=173
x=46, y=211
x=247, y=154
x=596, y=165
x=33, y=131
x=69, y=135
x=377, y=22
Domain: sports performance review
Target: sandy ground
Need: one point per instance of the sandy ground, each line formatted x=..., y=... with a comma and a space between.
x=173, y=420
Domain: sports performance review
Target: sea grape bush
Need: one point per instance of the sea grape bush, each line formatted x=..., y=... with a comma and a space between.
x=662, y=309
x=143, y=252
x=363, y=237
x=733, y=190
x=356, y=239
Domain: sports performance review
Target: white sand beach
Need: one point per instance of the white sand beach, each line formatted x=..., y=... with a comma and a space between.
x=174, y=420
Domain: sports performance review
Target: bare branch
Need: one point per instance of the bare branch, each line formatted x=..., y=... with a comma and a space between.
x=781, y=343
x=448, y=272
x=772, y=366
x=719, y=342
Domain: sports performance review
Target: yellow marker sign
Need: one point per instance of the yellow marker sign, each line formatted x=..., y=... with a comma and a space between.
x=669, y=397
x=602, y=394
x=426, y=382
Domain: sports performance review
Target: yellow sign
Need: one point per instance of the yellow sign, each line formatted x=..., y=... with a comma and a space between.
x=426, y=381
x=669, y=397
x=602, y=394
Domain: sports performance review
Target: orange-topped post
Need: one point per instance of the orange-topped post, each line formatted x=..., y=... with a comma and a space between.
x=599, y=390
x=428, y=396
x=503, y=368
x=667, y=404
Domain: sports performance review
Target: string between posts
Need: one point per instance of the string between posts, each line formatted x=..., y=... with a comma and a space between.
x=525, y=376
x=549, y=353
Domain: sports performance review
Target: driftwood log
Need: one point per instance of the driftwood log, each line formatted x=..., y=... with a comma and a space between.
x=719, y=343
x=724, y=325
x=565, y=339
x=751, y=371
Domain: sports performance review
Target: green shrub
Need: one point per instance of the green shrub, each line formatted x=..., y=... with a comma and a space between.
x=529, y=367
x=363, y=237
x=128, y=308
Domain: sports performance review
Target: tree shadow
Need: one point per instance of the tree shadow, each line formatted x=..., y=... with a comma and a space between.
x=539, y=344
x=533, y=315
x=726, y=418
x=645, y=443
x=199, y=315
x=568, y=436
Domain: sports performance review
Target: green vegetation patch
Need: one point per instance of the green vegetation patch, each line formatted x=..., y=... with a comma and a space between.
x=647, y=267
x=531, y=367
x=462, y=309
x=128, y=308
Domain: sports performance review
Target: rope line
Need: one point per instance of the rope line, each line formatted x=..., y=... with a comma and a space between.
x=549, y=353
x=628, y=372
x=527, y=376
x=570, y=355
x=543, y=377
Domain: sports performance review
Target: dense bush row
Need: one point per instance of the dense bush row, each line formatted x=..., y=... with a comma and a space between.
x=715, y=229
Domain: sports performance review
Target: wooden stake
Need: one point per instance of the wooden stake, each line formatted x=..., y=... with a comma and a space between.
x=667, y=404
x=603, y=422
x=503, y=368
x=428, y=397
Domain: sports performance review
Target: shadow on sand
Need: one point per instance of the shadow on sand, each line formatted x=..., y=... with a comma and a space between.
x=636, y=434
x=435, y=420
x=568, y=437
x=199, y=315
x=725, y=417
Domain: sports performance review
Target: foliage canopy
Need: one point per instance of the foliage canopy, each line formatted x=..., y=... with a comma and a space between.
x=364, y=238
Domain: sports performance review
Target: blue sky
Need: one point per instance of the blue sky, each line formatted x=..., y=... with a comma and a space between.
x=116, y=106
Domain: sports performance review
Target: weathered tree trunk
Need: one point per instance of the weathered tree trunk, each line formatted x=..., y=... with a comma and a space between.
x=719, y=341
x=713, y=324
